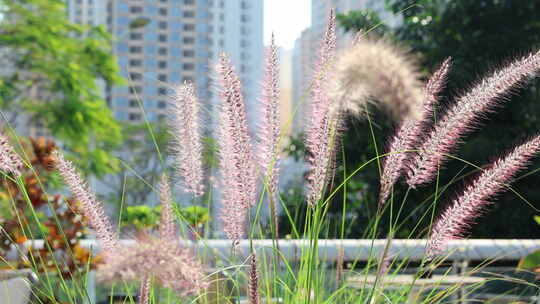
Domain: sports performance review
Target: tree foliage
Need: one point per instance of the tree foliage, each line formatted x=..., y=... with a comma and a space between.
x=50, y=73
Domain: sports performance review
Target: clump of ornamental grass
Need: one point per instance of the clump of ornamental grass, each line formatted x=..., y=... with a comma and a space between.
x=420, y=156
x=161, y=258
x=341, y=80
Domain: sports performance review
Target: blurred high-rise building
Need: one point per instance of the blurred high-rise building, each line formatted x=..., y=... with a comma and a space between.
x=160, y=43
x=181, y=42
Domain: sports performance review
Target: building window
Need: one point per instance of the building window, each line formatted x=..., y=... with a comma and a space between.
x=135, y=36
x=244, y=56
x=189, y=14
x=136, y=9
x=135, y=63
x=163, y=11
x=162, y=25
x=162, y=91
x=162, y=77
x=244, y=5
x=187, y=79
x=244, y=43
x=134, y=116
x=189, y=1
x=188, y=53
x=133, y=103
x=162, y=64
x=162, y=38
x=162, y=51
x=135, y=90
x=244, y=18
x=135, y=76
x=161, y=104
x=189, y=40
x=189, y=27
x=188, y=66
x=161, y=117
x=135, y=49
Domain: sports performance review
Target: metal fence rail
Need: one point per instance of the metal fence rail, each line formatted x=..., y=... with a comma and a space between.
x=361, y=250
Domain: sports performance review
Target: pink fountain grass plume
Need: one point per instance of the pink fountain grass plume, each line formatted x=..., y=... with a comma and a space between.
x=377, y=69
x=270, y=125
x=171, y=265
x=186, y=132
x=410, y=132
x=167, y=229
x=462, y=116
x=9, y=160
x=237, y=160
x=322, y=127
x=90, y=207
x=253, y=281
x=460, y=214
x=144, y=291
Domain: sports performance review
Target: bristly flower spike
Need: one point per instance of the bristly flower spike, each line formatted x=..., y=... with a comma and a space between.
x=186, y=133
x=253, y=280
x=237, y=161
x=144, y=291
x=9, y=160
x=322, y=126
x=461, y=117
x=90, y=207
x=460, y=214
x=410, y=131
x=270, y=122
x=167, y=229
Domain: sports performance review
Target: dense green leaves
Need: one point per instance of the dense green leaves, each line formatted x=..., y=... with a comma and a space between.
x=54, y=67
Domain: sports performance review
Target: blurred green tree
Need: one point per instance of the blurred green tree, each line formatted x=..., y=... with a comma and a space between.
x=50, y=72
x=479, y=35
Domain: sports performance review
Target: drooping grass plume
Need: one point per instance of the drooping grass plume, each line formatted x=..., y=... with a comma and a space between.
x=270, y=123
x=253, y=280
x=324, y=113
x=167, y=230
x=460, y=214
x=462, y=116
x=9, y=160
x=237, y=161
x=171, y=265
x=90, y=207
x=410, y=132
x=377, y=69
x=186, y=133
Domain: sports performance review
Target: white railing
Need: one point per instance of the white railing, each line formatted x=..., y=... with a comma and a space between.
x=361, y=250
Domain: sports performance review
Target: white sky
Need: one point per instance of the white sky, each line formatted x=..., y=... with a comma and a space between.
x=287, y=19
